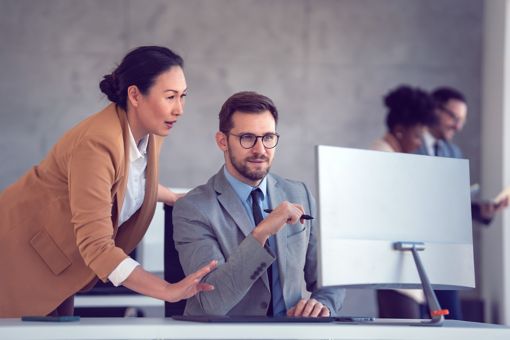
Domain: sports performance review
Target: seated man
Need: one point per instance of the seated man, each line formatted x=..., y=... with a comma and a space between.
x=264, y=258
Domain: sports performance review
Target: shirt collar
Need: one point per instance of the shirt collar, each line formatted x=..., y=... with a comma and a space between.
x=137, y=151
x=429, y=141
x=244, y=190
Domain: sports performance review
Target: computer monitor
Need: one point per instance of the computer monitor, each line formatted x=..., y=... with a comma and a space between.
x=369, y=200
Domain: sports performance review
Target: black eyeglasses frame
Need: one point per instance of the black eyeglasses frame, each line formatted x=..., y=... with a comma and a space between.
x=240, y=136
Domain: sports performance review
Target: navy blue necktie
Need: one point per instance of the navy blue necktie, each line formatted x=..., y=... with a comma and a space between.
x=436, y=148
x=256, y=197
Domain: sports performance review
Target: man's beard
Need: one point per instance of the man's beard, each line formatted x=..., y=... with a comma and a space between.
x=243, y=169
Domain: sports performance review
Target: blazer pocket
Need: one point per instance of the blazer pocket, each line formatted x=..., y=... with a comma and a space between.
x=49, y=251
x=295, y=233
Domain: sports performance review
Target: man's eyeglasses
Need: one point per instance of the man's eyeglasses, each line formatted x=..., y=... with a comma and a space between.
x=248, y=140
x=449, y=113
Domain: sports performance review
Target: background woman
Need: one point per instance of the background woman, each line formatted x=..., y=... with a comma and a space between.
x=410, y=110
x=74, y=217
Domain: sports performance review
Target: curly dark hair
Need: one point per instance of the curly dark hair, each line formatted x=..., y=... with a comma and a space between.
x=408, y=106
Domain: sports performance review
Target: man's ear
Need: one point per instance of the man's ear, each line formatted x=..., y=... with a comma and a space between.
x=133, y=95
x=221, y=141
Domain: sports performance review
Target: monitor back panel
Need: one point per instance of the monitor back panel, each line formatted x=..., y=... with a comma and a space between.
x=369, y=199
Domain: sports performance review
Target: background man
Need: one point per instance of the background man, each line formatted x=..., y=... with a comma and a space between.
x=451, y=114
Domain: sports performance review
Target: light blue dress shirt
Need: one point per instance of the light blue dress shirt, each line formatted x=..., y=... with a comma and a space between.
x=243, y=191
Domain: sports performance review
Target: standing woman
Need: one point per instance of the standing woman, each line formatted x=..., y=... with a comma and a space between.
x=74, y=217
x=410, y=110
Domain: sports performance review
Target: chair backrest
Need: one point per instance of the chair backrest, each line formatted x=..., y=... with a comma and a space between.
x=172, y=267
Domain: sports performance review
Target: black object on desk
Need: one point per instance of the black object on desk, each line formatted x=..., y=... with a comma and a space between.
x=270, y=319
x=64, y=318
x=249, y=318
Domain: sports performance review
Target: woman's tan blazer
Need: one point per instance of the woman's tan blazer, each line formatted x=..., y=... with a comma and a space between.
x=58, y=223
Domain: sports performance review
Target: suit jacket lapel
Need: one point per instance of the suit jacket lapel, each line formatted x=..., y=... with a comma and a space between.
x=277, y=195
x=229, y=200
x=138, y=223
x=448, y=150
x=119, y=196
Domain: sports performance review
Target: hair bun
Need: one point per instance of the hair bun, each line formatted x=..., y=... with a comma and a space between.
x=400, y=98
x=110, y=88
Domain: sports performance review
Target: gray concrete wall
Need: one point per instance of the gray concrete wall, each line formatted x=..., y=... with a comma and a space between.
x=326, y=64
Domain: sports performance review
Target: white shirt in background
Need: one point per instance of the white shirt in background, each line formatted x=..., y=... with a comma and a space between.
x=429, y=141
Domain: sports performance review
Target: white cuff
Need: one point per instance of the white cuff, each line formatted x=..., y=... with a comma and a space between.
x=122, y=271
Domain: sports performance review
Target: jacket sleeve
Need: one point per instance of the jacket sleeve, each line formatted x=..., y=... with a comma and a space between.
x=331, y=297
x=476, y=214
x=197, y=244
x=91, y=177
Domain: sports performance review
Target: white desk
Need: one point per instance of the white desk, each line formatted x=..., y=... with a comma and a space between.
x=147, y=328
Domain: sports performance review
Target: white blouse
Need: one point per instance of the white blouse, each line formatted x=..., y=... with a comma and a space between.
x=133, y=200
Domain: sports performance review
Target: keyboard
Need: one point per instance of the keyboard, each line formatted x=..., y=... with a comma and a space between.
x=268, y=319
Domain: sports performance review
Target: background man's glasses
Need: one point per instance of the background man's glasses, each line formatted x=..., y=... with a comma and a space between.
x=449, y=113
x=248, y=140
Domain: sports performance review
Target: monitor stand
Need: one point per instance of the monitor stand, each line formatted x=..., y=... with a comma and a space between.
x=435, y=310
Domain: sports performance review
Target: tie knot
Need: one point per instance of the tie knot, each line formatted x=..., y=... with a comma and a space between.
x=256, y=194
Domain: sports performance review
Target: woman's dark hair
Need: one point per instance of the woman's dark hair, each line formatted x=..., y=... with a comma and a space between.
x=139, y=67
x=408, y=106
x=249, y=102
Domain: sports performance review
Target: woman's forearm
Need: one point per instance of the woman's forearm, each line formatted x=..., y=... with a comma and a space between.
x=146, y=283
x=143, y=282
x=167, y=196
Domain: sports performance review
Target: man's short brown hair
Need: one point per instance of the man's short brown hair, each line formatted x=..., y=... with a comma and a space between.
x=248, y=102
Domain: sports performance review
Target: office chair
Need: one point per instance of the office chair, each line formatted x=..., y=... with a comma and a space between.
x=172, y=267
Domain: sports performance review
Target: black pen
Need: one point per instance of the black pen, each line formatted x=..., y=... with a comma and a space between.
x=304, y=217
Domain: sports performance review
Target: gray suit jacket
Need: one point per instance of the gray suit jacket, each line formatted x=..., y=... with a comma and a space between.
x=445, y=149
x=210, y=222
